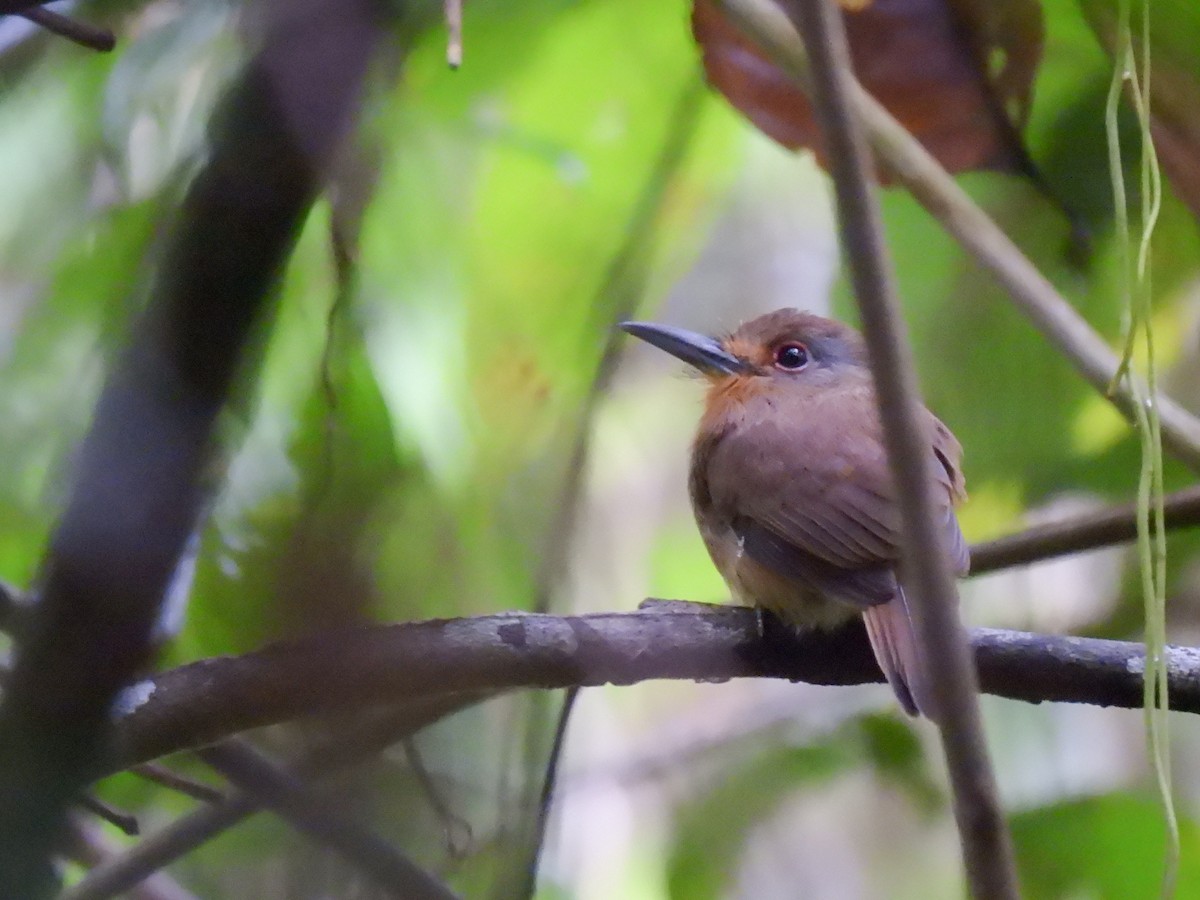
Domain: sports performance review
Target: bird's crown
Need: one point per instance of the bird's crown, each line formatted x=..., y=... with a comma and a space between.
x=793, y=340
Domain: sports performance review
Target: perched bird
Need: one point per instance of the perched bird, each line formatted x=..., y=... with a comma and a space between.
x=791, y=486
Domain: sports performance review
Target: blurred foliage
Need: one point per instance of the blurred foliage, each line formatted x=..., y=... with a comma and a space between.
x=1106, y=846
x=416, y=426
x=715, y=825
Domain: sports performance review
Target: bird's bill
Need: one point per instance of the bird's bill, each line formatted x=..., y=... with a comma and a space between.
x=699, y=350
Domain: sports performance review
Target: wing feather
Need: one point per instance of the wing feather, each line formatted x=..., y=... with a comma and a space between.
x=812, y=493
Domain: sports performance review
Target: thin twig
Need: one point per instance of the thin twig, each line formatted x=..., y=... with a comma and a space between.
x=933, y=601
x=189, y=787
x=621, y=290
x=1086, y=531
x=454, y=47
x=912, y=165
x=125, y=822
x=185, y=834
x=549, y=785
x=323, y=819
x=81, y=33
x=459, y=836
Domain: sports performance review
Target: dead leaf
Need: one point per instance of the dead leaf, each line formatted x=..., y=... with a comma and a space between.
x=952, y=71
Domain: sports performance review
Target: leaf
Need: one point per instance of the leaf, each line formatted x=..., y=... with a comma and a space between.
x=1109, y=846
x=952, y=73
x=160, y=93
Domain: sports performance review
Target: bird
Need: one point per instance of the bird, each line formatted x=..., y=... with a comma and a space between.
x=791, y=487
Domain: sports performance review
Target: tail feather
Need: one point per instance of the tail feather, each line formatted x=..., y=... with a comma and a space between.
x=891, y=632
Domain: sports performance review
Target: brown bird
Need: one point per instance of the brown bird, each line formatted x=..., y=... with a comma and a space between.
x=791, y=486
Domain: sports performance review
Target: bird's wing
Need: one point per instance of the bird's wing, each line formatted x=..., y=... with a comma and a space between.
x=948, y=453
x=809, y=492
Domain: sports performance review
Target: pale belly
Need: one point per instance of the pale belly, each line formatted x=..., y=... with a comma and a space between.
x=752, y=584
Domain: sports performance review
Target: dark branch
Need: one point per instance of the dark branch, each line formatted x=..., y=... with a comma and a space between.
x=323, y=820
x=209, y=700
x=933, y=600
x=11, y=7
x=173, y=781
x=546, y=801
x=348, y=749
x=123, y=821
x=81, y=33
x=143, y=469
x=88, y=845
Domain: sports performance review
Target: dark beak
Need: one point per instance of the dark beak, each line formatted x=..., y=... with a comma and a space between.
x=698, y=350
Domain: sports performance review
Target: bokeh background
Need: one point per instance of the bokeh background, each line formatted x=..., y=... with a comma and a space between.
x=447, y=424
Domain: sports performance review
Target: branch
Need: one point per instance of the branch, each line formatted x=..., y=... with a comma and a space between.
x=89, y=846
x=176, y=840
x=323, y=820
x=122, y=821
x=358, y=668
x=173, y=781
x=936, y=190
x=933, y=600
x=143, y=469
x=1100, y=528
x=454, y=24
x=14, y=7
x=81, y=33
x=621, y=289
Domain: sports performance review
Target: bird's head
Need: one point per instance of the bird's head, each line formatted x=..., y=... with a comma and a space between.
x=784, y=346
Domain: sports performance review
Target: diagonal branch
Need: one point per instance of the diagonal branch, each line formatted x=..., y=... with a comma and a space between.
x=936, y=190
x=88, y=845
x=368, y=738
x=323, y=820
x=81, y=33
x=359, y=668
x=619, y=293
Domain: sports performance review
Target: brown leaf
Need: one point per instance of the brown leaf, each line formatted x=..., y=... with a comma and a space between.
x=952, y=71
x=1176, y=144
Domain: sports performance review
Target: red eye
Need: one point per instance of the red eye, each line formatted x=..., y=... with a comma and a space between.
x=791, y=356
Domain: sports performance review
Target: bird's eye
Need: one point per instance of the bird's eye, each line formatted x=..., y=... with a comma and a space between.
x=791, y=356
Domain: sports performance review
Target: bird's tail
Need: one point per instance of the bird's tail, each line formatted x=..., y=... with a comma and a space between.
x=891, y=631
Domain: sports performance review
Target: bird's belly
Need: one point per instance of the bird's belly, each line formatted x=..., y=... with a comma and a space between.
x=753, y=584
x=794, y=602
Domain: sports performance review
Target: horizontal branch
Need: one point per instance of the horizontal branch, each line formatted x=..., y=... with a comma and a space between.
x=206, y=701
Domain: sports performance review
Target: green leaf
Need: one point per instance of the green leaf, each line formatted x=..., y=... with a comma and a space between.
x=1108, y=846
